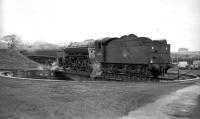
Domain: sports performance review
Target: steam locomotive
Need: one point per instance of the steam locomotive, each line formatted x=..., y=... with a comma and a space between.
x=127, y=57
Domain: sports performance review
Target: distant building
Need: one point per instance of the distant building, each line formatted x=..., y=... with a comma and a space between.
x=183, y=50
x=188, y=56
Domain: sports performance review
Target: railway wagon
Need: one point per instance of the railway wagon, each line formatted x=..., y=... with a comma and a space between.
x=127, y=57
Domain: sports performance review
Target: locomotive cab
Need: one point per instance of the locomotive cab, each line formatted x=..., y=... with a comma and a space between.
x=100, y=48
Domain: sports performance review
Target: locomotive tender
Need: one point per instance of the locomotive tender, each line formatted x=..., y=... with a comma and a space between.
x=127, y=57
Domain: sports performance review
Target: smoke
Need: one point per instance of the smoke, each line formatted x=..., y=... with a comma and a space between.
x=54, y=66
x=40, y=67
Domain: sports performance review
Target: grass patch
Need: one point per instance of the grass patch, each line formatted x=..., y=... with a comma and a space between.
x=12, y=59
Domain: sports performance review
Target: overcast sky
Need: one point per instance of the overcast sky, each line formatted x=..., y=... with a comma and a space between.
x=63, y=21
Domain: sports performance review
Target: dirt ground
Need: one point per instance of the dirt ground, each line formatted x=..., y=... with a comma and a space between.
x=180, y=104
x=27, y=99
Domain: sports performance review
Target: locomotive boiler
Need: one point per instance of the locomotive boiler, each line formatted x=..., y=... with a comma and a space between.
x=127, y=57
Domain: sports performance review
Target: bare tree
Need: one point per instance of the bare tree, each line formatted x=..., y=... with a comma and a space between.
x=12, y=41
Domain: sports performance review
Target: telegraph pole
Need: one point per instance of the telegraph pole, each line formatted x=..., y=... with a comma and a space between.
x=178, y=68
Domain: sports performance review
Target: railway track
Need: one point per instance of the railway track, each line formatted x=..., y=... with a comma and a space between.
x=123, y=77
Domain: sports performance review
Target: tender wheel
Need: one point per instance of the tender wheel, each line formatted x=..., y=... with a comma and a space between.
x=155, y=73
